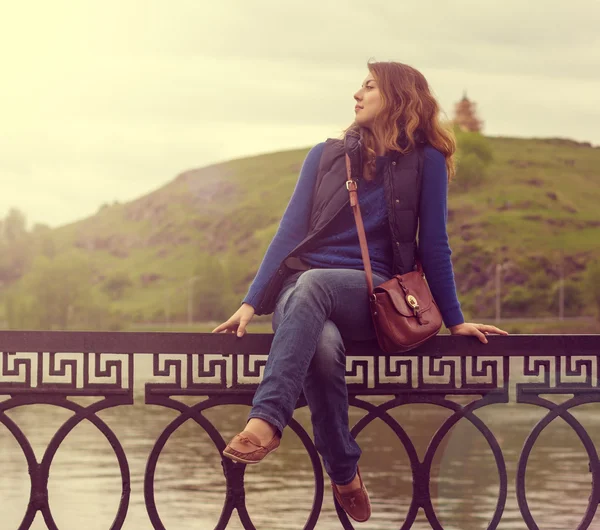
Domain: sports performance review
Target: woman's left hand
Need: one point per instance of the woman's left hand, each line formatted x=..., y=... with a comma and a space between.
x=479, y=330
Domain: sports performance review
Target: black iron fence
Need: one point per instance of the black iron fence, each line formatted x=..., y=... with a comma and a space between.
x=54, y=367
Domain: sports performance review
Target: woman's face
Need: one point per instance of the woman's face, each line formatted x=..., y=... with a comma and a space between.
x=368, y=102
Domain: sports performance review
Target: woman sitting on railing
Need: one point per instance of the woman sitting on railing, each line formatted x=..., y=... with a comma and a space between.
x=312, y=278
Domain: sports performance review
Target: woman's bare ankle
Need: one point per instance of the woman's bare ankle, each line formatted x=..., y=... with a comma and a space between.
x=263, y=429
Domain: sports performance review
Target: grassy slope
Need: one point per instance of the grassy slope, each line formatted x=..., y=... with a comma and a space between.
x=233, y=209
x=577, y=190
x=230, y=209
x=539, y=203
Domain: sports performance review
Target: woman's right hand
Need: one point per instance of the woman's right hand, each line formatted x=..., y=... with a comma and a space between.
x=237, y=322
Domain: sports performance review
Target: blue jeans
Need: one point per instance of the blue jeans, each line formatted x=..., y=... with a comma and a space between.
x=314, y=310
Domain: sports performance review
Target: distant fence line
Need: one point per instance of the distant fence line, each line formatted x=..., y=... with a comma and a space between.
x=40, y=367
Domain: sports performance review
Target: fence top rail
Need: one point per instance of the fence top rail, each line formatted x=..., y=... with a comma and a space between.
x=165, y=342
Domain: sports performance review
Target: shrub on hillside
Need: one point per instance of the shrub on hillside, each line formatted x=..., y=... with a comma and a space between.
x=475, y=144
x=574, y=301
x=470, y=172
x=523, y=301
x=116, y=284
x=473, y=156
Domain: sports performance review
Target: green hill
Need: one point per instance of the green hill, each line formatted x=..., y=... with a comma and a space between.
x=539, y=201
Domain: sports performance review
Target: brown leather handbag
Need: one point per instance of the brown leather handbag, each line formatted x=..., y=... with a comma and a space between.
x=404, y=312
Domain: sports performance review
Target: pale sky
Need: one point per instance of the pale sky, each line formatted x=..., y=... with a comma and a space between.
x=109, y=100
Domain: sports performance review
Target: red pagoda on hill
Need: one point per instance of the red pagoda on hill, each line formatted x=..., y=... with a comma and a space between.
x=465, y=115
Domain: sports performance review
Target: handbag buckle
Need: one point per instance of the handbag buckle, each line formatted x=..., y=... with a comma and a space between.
x=412, y=302
x=351, y=183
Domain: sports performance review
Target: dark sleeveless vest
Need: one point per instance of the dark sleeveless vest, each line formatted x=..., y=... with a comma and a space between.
x=402, y=183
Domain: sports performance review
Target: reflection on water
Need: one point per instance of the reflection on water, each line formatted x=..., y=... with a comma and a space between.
x=85, y=482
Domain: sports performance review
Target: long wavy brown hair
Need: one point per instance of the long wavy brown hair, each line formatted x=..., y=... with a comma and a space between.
x=409, y=115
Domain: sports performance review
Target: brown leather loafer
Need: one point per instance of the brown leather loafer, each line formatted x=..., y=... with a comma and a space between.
x=246, y=448
x=356, y=502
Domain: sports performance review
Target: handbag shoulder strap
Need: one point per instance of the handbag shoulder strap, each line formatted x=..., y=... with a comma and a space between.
x=352, y=187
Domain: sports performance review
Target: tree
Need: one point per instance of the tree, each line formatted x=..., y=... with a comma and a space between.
x=592, y=283
x=14, y=226
x=211, y=290
x=16, y=250
x=56, y=294
x=43, y=240
x=15, y=259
